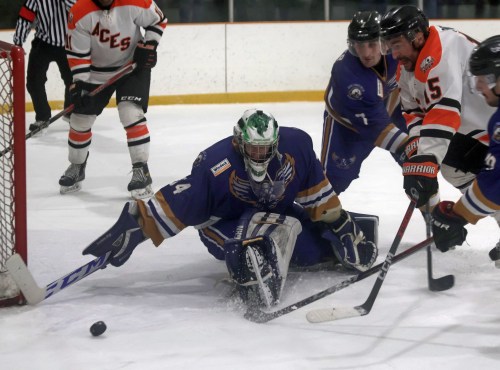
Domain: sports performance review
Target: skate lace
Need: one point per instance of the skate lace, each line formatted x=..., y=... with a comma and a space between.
x=138, y=175
x=73, y=171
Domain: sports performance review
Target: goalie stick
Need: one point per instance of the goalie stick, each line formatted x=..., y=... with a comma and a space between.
x=435, y=284
x=330, y=314
x=30, y=289
x=119, y=75
x=259, y=316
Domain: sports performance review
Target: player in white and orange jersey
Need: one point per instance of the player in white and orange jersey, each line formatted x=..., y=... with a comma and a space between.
x=103, y=36
x=445, y=118
x=482, y=198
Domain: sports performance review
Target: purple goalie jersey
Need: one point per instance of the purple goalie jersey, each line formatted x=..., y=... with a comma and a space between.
x=219, y=188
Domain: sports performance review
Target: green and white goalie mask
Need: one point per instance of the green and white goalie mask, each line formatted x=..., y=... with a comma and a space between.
x=257, y=135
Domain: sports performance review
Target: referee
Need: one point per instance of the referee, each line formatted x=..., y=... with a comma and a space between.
x=50, y=18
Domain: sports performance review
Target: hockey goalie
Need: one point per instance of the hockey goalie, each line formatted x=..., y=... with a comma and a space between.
x=260, y=202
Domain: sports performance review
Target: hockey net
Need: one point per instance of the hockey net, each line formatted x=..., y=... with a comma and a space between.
x=13, y=233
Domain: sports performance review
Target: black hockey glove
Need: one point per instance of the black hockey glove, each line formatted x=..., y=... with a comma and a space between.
x=447, y=226
x=420, y=178
x=145, y=54
x=79, y=95
x=407, y=150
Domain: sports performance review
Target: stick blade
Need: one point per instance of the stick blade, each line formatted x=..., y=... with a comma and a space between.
x=24, y=280
x=257, y=316
x=332, y=314
x=443, y=283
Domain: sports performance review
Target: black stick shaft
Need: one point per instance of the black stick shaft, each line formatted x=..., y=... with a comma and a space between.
x=367, y=306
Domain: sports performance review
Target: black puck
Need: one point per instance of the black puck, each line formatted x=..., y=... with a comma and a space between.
x=97, y=328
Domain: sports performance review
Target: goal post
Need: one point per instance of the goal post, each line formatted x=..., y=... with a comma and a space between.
x=13, y=231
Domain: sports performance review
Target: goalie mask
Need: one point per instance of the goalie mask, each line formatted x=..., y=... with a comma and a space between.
x=256, y=134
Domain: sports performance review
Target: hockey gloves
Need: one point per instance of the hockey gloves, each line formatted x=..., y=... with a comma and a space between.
x=349, y=243
x=420, y=178
x=145, y=54
x=447, y=226
x=79, y=95
x=121, y=239
x=407, y=150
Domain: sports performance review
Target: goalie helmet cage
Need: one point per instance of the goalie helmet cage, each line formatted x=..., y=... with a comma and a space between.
x=13, y=232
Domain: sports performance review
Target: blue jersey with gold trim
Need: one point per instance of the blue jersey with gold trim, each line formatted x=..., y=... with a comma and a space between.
x=482, y=198
x=219, y=187
x=359, y=94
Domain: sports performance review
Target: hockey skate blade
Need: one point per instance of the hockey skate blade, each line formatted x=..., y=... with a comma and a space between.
x=497, y=264
x=24, y=280
x=147, y=192
x=332, y=314
x=70, y=189
x=37, y=132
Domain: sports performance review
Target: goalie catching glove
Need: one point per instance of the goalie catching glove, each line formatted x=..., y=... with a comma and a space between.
x=349, y=243
x=121, y=239
x=447, y=226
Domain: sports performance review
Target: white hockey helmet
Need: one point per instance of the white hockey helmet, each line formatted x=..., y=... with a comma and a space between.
x=257, y=134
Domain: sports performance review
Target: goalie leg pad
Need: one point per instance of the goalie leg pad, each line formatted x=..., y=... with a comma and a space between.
x=252, y=263
x=122, y=238
x=264, y=235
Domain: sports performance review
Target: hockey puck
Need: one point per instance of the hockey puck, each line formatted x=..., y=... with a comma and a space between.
x=97, y=328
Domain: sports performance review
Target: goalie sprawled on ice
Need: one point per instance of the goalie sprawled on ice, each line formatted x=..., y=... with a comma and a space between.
x=261, y=202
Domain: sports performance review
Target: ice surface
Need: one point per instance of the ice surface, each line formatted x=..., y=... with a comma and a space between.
x=167, y=308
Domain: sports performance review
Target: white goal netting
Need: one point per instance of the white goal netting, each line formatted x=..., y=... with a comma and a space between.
x=12, y=166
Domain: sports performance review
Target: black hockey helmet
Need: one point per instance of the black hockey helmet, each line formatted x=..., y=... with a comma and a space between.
x=404, y=20
x=364, y=26
x=485, y=58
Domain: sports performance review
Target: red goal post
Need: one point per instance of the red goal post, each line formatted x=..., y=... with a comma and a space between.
x=13, y=232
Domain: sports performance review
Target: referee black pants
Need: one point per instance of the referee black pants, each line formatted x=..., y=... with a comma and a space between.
x=41, y=55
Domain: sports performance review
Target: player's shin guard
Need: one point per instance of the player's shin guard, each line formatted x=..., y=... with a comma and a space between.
x=253, y=265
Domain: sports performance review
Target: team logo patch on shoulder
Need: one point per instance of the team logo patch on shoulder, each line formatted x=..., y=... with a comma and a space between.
x=355, y=91
x=426, y=64
x=496, y=133
x=220, y=167
x=201, y=157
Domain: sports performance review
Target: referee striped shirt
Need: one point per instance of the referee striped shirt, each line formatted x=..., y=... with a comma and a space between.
x=50, y=18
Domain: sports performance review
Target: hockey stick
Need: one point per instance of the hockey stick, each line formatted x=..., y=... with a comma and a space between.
x=119, y=75
x=444, y=282
x=30, y=289
x=259, y=316
x=330, y=314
